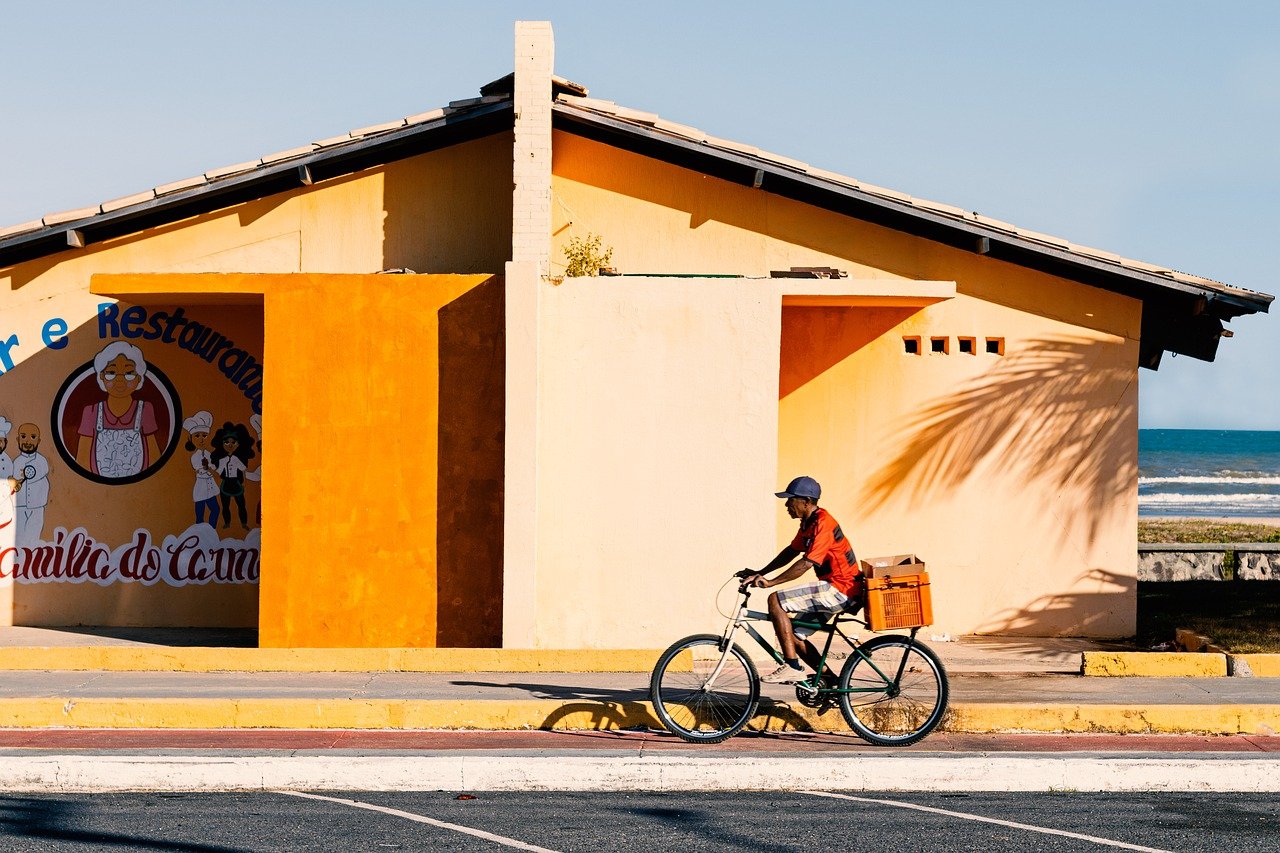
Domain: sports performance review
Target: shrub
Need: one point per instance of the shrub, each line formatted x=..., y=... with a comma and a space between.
x=586, y=256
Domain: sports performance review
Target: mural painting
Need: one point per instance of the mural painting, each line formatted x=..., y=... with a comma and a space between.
x=98, y=496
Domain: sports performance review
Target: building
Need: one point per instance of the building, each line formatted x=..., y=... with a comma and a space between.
x=484, y=452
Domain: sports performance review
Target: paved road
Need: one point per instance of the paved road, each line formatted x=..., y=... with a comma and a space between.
x=220, y=823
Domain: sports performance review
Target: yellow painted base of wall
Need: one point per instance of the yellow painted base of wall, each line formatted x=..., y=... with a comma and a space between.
x=151, y=659
x=597, y=716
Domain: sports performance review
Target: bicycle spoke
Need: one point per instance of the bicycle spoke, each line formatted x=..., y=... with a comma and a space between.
x=688, y=707
x=889, y=715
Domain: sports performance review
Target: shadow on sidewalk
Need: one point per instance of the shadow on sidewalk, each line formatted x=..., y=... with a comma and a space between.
x=600, y=709
x=90, y=635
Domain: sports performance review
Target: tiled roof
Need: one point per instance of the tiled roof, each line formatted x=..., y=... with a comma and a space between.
x=315, y=151
x=653, y=124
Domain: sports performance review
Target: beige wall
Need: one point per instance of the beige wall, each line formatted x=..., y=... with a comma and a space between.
x=657, y=418
x=656, y=447
x=1014, y=476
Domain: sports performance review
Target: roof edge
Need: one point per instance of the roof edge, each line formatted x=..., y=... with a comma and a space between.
x=690, y=148
x=216, y=189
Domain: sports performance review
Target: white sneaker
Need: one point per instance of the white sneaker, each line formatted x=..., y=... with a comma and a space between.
x=787, y=674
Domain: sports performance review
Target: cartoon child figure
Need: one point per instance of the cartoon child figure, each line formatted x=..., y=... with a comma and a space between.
x=232, y=450
x=205, y=492
x=31, y=470
x=6, y=464
x=118, y=435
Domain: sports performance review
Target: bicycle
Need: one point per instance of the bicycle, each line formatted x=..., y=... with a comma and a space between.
x=892, y=689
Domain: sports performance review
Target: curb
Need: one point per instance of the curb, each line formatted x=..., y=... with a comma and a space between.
x=205, y=659
x=628, y=772
x=595, y=715
x=1154, y=664
x=1259, y=665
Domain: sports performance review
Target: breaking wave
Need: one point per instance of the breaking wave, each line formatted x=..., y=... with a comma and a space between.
x=1237, y=480
x=1226, y=500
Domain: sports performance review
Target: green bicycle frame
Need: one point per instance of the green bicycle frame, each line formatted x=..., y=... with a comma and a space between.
x=745, y=617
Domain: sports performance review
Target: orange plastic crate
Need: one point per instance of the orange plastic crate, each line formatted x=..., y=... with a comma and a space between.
x=899, y=602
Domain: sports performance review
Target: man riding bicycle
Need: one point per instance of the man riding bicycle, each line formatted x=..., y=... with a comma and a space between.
x=821, y=545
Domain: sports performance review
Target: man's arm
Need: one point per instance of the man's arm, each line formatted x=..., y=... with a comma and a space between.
x=786, y=555
x=796, y=570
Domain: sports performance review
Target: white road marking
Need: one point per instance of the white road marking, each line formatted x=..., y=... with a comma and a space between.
x=465, y=830
x=1106, y=841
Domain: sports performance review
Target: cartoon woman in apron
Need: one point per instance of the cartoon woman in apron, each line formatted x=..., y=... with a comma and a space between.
x=118, y=435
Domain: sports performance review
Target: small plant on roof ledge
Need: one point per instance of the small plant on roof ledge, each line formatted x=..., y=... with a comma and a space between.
x=586, y=257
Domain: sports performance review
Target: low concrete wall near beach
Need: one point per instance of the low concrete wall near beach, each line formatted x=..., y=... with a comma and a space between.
x=1181, y=561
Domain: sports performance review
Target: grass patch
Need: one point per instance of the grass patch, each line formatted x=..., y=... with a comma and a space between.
x=1204, y=530
x=1241, y=616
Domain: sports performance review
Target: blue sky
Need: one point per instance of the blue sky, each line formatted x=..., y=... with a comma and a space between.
x=1144, y=128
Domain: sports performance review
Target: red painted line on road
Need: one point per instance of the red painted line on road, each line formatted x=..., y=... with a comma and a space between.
x=779, y=742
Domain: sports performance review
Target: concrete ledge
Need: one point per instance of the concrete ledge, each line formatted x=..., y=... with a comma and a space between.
x=1190, y=641
x=688, y=771
x=1154, y=664
x=170, y=659
x=127, y=713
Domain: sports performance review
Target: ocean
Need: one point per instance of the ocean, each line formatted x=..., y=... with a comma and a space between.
x=1208, y=473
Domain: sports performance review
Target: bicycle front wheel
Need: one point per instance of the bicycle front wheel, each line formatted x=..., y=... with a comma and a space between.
x=693, y=705
x=889, y=714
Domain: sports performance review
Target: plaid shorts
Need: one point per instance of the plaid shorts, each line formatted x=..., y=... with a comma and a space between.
x=813, y=602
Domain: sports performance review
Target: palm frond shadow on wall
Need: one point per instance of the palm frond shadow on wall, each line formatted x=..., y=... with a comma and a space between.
x=1059, y=410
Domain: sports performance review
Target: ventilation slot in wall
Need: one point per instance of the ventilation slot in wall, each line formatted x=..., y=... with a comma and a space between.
x=968, y=346
x=942, y=346
x=995, y=346
x=911, y=346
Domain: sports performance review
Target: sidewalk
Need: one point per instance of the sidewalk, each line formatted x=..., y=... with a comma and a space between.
x=600, y=701
x=997, y=685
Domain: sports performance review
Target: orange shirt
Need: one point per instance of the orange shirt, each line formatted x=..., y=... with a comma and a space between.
x=823, y=542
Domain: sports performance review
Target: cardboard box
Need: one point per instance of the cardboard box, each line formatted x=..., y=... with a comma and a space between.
x=892, y=567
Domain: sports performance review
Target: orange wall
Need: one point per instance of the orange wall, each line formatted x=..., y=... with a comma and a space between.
x=350, y=547
x=353, y=441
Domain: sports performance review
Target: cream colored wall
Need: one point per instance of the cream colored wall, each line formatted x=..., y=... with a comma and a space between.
x=1015, y=477
x=655, y=454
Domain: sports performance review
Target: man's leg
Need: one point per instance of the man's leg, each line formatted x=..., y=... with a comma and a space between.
x=782, y=627
x=810, y=653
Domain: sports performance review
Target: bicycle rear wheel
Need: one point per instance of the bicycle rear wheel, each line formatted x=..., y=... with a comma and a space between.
x=889, y=716
x=692, y=709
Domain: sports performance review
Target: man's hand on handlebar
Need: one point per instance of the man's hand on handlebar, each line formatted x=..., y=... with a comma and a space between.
x=753, y=578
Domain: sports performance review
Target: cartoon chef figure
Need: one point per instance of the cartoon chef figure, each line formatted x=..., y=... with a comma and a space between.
x=31, y=470
x=205, y=491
